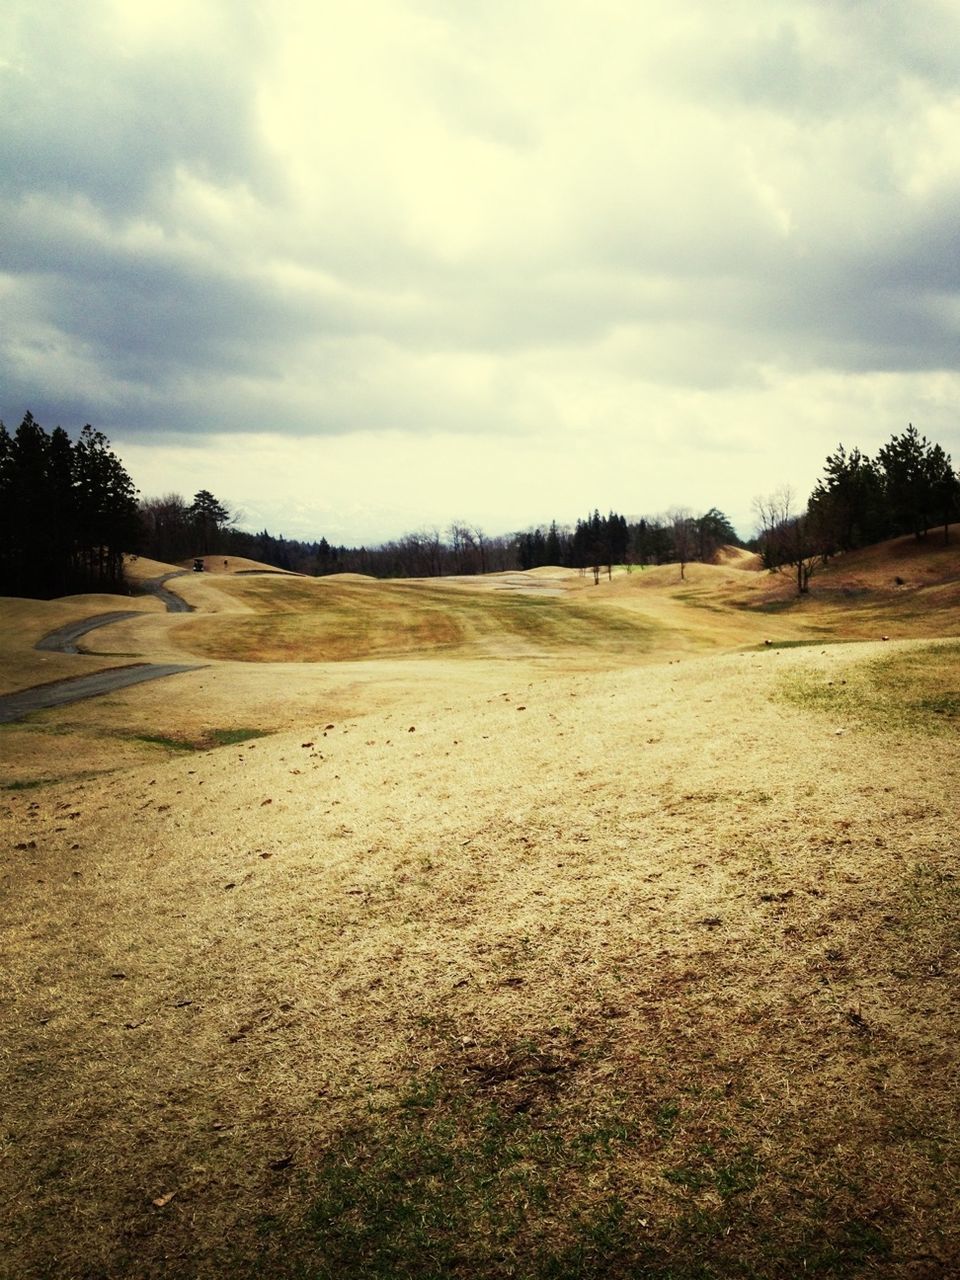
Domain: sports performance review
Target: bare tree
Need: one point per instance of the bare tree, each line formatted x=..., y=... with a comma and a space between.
x=683, y=529
x=459, y=535
x=479, y=539
x=789, y=540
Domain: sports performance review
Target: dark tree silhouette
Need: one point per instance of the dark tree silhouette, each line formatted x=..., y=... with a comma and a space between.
x=919, y=484
x=68, y=512
x=209, y=518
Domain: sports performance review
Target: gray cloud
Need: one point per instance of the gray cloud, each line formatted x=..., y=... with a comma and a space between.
x=85, y=118
x=483, y=224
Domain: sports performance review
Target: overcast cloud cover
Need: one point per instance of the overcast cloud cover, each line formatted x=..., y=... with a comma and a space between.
x=366, y=268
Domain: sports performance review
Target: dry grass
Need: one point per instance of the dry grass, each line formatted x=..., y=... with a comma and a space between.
x=551, y=967
x=324, y=620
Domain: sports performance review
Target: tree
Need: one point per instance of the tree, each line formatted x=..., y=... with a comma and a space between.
x=788, y=540
x=683, y=530
x=848, y=501
x=714, y=530
x=530, y=548
x=106, y=507
x=553, y=550
x=68, y=512
x=945, y=488
x=469, y=548
x=27, y=503
x=918, y=481
x=208, y=517
x=167, y=528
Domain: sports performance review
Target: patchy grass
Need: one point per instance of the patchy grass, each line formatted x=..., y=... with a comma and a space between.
x=520, y=1161
x=163, y=740
x=798, y=644
x=318, y=621
x=206, y=740
x=657, y=978
x=510, y=1167
x=915, y=689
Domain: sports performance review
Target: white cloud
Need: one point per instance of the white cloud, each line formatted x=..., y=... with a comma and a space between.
x=501, y=262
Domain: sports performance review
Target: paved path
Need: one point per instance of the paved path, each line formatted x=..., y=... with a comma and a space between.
x=14, y=706
x=64, y=639
x=174, y=603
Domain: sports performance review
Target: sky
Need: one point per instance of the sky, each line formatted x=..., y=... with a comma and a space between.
x=363, y=269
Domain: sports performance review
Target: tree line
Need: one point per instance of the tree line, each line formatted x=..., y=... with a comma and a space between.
x=171, y=532
x=69, y=511
x=910, y=487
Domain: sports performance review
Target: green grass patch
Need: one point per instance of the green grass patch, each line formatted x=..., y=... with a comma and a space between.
x=31, y=784
x=750, y=605
x=162, y=740
x=800, y=644
x=227, y=737
x=461, y=1177
x=916, y=690
x=206, y=741
x=517, y=1170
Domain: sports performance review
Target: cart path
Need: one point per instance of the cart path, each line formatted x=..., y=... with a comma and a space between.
x=174, y=603
x=64, y=639
x=14, y=706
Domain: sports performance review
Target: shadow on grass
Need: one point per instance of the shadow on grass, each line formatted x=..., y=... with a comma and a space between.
x=455, y=1182
x=206, y=741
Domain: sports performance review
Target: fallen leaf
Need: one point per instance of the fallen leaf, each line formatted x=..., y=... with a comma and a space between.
x=162, y=1201
x=263, y=802
x=283, y=1163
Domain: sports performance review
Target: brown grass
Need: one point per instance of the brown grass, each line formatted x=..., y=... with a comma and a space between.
x=548, y=966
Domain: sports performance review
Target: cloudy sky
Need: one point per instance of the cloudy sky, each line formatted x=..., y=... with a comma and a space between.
x=372, y=267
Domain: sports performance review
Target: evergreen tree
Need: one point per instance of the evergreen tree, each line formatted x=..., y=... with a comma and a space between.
x=848, y=502
x=68, y=512
x=914, y=481
x=714, y=530
x=107, y=516
x=209, y=517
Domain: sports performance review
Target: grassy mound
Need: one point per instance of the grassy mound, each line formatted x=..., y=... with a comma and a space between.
x=324, y=621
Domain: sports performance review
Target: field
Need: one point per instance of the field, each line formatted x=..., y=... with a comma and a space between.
x=511, y=927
